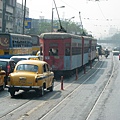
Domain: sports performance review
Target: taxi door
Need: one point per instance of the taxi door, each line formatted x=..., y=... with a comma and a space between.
x=47, y=75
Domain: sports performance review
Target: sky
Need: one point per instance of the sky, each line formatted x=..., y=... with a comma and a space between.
x=98, y=17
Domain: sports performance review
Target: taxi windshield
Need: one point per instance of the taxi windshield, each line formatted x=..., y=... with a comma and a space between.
x=27, y=67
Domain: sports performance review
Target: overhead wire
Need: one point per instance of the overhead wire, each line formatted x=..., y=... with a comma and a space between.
x=102, y=12
x=69, y=5
x=104, y=17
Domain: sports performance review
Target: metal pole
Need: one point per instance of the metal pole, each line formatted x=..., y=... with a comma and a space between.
x=52, y=21
x=58, y=15
x=62, y=83
x=52, y=17
x=3, y=17
x=81, y=22
x=24, y=17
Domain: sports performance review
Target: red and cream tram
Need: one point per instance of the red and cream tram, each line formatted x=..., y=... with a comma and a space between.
x=67, y=52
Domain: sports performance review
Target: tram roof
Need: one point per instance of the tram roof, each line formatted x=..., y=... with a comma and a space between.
x=55, y=35
x=58, y=35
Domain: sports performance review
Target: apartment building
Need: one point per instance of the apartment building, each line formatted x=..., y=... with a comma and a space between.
x=19, y=15
x=9, y=15
x=14, y=12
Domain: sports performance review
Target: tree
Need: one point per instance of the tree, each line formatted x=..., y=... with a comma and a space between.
x=45, y=26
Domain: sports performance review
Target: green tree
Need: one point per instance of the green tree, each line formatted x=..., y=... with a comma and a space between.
x=44, y=26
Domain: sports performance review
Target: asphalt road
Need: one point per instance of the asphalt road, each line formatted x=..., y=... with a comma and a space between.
x=107, y=107
x=94, y=95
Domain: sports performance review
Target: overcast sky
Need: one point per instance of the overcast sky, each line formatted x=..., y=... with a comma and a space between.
x=97, y=16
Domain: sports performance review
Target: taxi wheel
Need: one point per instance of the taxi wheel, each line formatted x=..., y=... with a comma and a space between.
x=51, y=88
x=12, y=93
x=42, y=91
x=3, y=87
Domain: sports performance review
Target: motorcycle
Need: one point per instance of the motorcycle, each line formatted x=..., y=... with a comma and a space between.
x=106, y=55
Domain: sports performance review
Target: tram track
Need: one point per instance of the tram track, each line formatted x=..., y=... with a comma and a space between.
x=102, y=92
x=86, y=80
x=41, y=104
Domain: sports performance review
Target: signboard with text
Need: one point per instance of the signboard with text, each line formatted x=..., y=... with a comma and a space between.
x=28, y=23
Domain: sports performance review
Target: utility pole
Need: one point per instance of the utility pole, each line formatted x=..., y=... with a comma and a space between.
x=24, y=17
x=3, y=17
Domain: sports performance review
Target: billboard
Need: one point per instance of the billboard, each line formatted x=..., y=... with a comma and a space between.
x=28, y=23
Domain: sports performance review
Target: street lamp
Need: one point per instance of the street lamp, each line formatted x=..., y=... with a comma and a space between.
x=52, y=17
x=68, y=22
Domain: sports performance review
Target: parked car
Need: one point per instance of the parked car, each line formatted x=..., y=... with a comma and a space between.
x=31, y=75
x=8, y=66
x=2, y=75
x=119, y=56
x=28, y=57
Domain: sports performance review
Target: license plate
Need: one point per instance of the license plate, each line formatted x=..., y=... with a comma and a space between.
x=22, y=80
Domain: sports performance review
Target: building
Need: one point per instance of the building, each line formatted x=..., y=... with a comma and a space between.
x=19, y=15
x=11, y=16
x=7, y=12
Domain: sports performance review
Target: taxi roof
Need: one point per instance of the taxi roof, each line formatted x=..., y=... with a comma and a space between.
x=28, y=56
x=35, y=62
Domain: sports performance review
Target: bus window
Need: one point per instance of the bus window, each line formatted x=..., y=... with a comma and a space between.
x=6, y=53
x=53, y=52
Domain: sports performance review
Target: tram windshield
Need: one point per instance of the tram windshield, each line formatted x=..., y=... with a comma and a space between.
x=53, y=52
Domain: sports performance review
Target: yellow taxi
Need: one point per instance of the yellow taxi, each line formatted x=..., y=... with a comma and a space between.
x=2, y=75
x=31, y=75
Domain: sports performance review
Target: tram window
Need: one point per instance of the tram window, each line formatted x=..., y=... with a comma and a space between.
x=53, y=52
x=67, y=51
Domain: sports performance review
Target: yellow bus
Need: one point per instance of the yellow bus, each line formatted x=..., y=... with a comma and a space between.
x=35, y=44
x=15, y=44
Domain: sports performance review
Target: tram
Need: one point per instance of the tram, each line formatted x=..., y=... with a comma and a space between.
x=67, y=52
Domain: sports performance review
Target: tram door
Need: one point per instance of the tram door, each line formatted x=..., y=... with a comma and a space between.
x=67, y=56
x=54, y=55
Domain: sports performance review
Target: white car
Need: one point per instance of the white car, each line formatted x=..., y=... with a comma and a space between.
x=115, y=52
